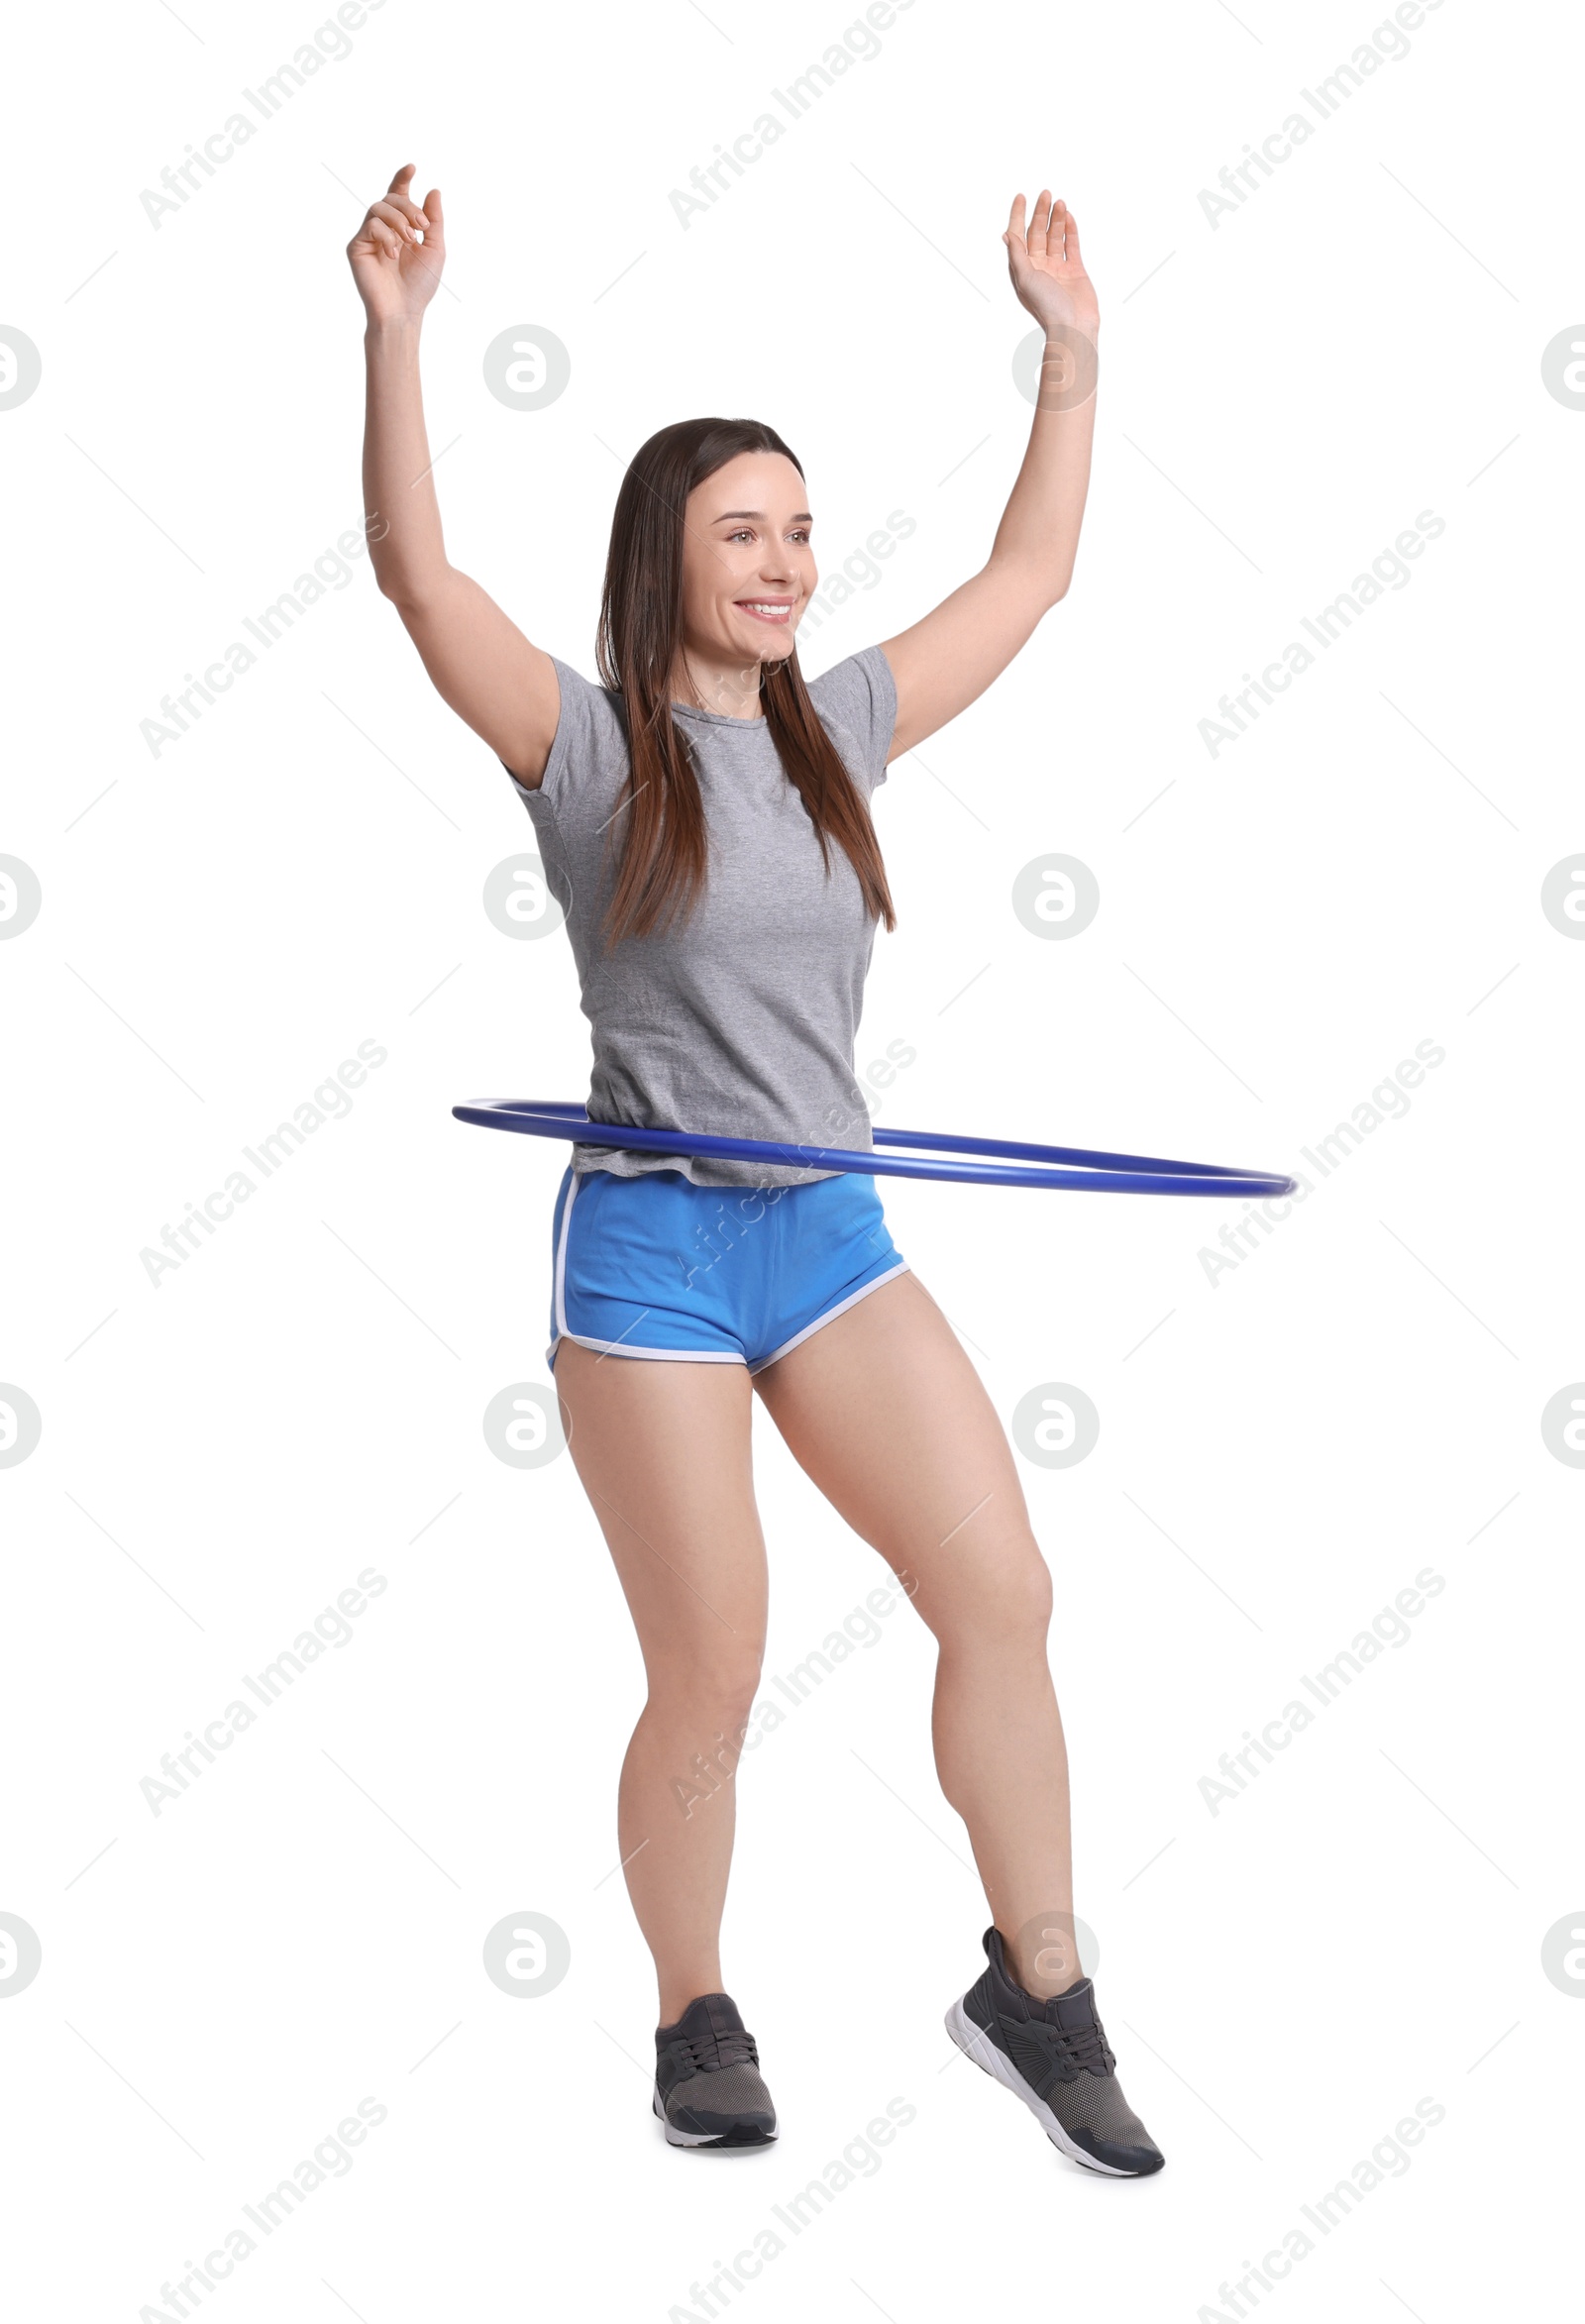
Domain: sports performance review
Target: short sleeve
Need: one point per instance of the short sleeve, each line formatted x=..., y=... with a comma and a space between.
x=589, y=743
x=858, y=701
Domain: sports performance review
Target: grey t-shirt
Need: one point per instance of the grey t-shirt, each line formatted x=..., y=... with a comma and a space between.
x=741, y=1021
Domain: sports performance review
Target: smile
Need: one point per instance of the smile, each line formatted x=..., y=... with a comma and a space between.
x=775, y=609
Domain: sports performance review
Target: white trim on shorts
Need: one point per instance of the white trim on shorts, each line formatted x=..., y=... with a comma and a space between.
x=682, y=1356
x=688, y=1355
x=852, y=1300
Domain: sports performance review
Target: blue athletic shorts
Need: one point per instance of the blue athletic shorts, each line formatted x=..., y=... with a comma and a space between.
x=656, y=1266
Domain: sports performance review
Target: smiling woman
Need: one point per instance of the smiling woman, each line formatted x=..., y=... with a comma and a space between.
x=705, y=821
x=709, y=568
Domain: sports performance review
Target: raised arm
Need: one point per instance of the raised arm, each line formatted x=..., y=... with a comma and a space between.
x=503, y=688
x=951, y=656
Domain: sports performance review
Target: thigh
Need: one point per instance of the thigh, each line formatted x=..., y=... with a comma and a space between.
x=661, y=1447
x=882, y=1409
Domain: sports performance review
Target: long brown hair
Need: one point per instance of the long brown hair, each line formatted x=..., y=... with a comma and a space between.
x=665, y=841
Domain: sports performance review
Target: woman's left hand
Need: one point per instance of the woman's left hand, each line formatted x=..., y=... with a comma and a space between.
x=1046, y=267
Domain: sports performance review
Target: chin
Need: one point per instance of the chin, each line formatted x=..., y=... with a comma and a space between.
x=773, y=645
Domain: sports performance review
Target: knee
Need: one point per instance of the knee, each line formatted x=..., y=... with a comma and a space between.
x=716, y=1682
x=1024, y=1597
x=1011, y=1608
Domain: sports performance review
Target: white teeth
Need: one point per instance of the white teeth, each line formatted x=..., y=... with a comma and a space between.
x=755, y=607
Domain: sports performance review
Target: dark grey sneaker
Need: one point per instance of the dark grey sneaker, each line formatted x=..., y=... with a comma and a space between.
x=1053, y=2055
x=709, y=2090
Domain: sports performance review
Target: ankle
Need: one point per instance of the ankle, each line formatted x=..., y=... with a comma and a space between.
x=1042, y=1959
x=675, y=1998
x=1037, y=1987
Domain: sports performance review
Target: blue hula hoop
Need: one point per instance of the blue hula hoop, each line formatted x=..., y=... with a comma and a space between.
x=1074, y=1168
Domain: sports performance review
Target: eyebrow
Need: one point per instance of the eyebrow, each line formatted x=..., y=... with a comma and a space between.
x=801, y=516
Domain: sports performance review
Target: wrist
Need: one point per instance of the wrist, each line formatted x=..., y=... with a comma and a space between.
x=391, y=330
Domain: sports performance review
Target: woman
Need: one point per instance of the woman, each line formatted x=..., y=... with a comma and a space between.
x=705, y=821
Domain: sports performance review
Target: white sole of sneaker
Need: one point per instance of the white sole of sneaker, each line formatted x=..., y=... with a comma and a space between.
x=979, y=2046
x=683, y=2138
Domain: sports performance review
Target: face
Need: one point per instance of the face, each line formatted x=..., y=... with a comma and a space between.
x=748, y=567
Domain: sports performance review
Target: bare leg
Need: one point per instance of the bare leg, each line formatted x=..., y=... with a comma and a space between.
x=887, y=1415
x=663, y=1451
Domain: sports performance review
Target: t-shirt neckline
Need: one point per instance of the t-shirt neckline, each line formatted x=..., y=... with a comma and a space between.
x=718, y=717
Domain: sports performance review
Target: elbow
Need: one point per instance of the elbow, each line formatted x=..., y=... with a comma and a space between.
x=1040, y=584
x=1030, y=585
x=402, y=588
x=391, y=581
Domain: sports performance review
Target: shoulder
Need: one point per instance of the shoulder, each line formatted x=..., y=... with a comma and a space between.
x=590, y=739
x=857, y=699
x=862, y=686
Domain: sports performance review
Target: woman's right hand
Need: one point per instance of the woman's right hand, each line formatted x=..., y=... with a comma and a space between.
x=397, y=252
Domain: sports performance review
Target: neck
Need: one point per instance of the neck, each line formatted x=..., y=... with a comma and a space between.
x=731, y=689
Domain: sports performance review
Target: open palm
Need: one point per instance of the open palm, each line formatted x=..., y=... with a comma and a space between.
x=1046, y=267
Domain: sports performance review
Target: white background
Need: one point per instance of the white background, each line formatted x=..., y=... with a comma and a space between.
x=223, y=1454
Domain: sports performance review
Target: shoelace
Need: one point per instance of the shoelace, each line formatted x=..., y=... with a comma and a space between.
x=1084, y=2047
x=708, y=2052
